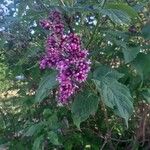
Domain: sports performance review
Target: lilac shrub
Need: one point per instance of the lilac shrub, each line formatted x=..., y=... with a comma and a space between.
x=65, y=54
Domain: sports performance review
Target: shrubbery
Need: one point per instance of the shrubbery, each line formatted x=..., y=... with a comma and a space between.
x=82, y=82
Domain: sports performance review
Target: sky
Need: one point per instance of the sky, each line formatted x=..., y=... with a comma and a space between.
x=4, y=5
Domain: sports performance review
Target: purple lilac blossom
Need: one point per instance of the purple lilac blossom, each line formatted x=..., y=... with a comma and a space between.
x=65, y=54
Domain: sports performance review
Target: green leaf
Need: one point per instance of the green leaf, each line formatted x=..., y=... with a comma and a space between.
x=34, y=129
x=84, y=105
x=53, y=138
x=53, y=121
x=146, y=95
x=141, y=65
x=54, y=2
x=22, y=7
x=117, y=16
x=47, y=112
x=114, y=94
x=130, y=53
x=123, y=7
x=47, y=83
x=2, y=42
x=4, y=146
x=146, y=31
x=104, y=71
x=102, y=2
x=37, y=145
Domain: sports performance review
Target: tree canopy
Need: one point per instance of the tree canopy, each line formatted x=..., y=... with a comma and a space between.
x=74, y=74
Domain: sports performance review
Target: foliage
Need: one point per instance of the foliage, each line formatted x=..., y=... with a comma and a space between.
x=116, y=34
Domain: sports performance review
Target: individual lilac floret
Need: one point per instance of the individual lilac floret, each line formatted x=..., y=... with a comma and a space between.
x=82, y=72
x=55, y=16
x=66, y=89
x=46, y=24
x=65, y=54
x=54, y=23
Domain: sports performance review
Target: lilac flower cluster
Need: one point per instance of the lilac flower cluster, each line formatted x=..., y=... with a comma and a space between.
x=65, y=54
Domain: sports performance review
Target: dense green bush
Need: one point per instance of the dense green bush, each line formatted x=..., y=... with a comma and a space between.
x=110, y=110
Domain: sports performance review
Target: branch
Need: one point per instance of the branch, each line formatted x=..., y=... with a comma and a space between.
x=68, y=21
x=62, y=2
x=128, y=2
x=105, y=142
x=96, y=27
x=41, y=3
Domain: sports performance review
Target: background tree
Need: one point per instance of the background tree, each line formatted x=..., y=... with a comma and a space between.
x=110, y=110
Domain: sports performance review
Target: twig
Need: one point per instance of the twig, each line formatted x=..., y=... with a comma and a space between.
x=41, y=3
x=96, y=27
x=106, y=138
x=93, y=35
x=68, y=21
x=62, y=2
x=128, y=2
x=3, y=117
x=123, y=141
x=105, y=114
x=105, y=142
x=108, y=135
